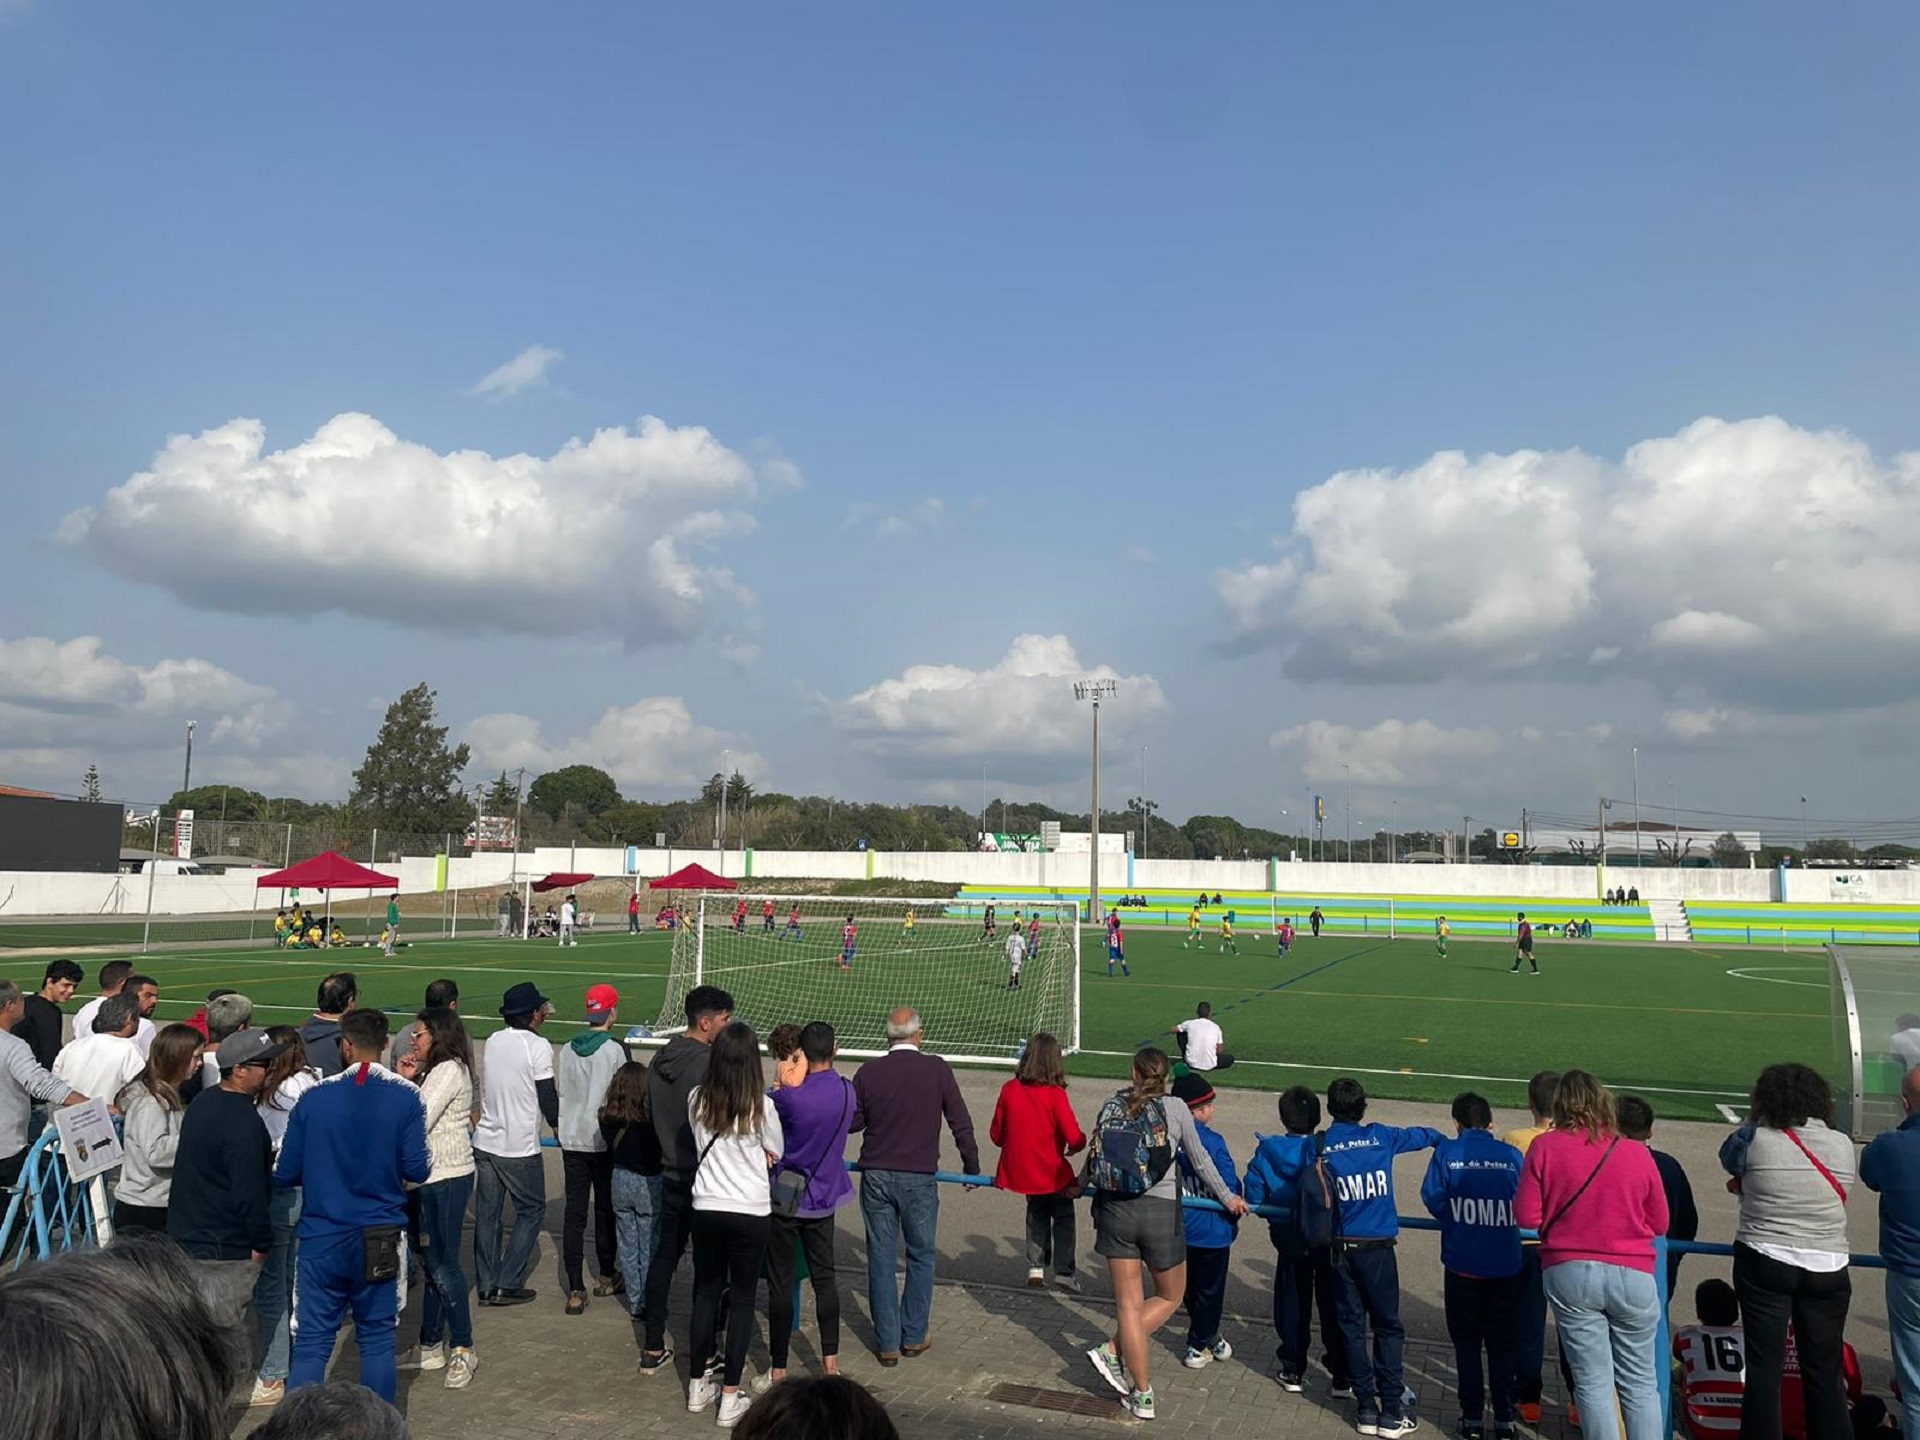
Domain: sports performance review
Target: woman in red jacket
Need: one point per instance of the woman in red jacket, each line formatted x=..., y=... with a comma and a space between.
x=1034, y=1127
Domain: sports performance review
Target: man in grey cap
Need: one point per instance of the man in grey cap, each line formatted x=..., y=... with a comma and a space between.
x=222, y=1179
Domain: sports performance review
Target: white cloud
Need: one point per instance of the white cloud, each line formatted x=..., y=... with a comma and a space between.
x=1753, y=560
x=1020, y=716
x=1393, y=753
x=890, y=522
x=65, y=704
x=522, y=372
x=610, y=535
x=651, y=744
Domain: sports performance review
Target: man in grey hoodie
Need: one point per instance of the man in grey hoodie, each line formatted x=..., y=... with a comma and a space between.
x=338, y=994
x=673, y=1076
x=583, y=1072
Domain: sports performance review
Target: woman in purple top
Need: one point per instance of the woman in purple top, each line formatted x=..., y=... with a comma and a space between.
x=816, y=1105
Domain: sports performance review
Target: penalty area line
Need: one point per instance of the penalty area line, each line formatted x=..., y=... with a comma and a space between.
x=1431, y=1074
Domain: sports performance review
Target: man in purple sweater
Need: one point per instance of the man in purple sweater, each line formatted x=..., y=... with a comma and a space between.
x=898, y=1102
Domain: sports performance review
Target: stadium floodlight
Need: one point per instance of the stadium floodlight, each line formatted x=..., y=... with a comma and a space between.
x=1096, y=691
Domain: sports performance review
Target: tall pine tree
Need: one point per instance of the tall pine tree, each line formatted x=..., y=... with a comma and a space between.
x=410, y=781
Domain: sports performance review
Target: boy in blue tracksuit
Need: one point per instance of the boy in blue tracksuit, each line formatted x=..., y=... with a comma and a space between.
x=1367, y=1277
x=1209, y=1232
x=1470, y=1187
x=1302, y=1276
x=354, y=1143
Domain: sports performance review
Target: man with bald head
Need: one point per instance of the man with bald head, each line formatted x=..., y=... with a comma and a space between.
x=898, y=1103
x=1891, y=1166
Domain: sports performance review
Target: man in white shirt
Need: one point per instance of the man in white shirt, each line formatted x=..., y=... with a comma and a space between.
x=518, y=1092
x=567, y=912
x=1016, y=957
x=146, y=995
x=116, y=976
x=1200, y=1041
x=1905, y=1043
x=102, y=1063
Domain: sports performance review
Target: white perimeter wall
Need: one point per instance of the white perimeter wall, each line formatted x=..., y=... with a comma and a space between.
x=35, y=893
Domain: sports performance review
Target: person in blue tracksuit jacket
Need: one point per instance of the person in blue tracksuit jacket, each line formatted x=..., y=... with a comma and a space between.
x=1302, y=1278
x=1367, y=1277
x=1470, y=1187
x=1210, y=1233
x=354, y=1143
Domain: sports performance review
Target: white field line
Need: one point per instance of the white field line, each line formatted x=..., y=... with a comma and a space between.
x=1758, y=972
x=1733, y=1116
x=1436, y=1075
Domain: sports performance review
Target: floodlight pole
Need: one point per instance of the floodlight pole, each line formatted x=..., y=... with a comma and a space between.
x=186, y=780
x=1095, y=690
x=1636, y=807
x=1349, y=770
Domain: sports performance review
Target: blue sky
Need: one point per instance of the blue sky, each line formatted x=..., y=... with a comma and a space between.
x=1002, y=323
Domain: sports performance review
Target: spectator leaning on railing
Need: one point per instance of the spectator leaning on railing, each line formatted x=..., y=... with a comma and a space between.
x=1891, y=1166
x=1790, y=1252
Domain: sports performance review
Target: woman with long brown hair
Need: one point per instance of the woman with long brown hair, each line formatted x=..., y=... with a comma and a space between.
x=288, y=1078
x=1034, y=1126
x=153, y=1111
x=737, y=1139
x=442, y=1066
x=1597, y=1201
x=1140, y=1134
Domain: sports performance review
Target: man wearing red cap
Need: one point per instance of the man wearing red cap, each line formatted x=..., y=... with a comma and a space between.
x=585, y=1069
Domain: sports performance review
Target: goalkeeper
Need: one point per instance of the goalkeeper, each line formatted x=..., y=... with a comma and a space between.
x=1016, y=957
x=989, y=926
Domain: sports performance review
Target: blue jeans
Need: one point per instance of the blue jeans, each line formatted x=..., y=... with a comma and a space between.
x=1367, y=1286
x=499, y=1178
x=636, y=1214
x=332, y=1270
x=273, y=1290
x=1607, y=1316
x=442, y=1220
x=1903, y=1328
x=896, y=1204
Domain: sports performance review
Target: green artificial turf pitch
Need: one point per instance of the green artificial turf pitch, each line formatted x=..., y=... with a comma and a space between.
x=1668, y=1021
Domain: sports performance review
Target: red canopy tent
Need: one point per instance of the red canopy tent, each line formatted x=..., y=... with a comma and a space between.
x=561, y=880
x=692, y=877
x=329, y=872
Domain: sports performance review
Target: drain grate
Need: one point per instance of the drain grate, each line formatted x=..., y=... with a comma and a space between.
x=1060, y=1402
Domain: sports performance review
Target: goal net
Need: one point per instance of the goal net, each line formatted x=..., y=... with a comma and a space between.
x=787, y=969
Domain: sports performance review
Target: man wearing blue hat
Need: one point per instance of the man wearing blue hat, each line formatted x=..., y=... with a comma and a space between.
x=518, y=1092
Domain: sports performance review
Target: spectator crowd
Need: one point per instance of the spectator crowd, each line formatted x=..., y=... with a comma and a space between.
x=299, y=1174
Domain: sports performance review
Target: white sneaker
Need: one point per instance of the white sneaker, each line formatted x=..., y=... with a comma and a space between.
x=733, y=1408
x=267, y=1392
x=759, y=1384
x=1112, y=1368
x=460, y=1368
x=1140, y=1404
x=1197, y=1359
x=1036, y=1277
x=1405, y=1425
x=701, y=1392
x=1221, y=1350
x=433, y=1357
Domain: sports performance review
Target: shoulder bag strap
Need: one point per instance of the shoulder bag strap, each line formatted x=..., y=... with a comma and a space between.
x=1826, y=1174
x=846, y=1108
x=1592, y=1175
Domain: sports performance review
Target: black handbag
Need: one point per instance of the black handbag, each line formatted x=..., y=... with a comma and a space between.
x=790, y=1186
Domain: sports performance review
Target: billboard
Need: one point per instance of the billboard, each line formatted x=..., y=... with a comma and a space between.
x=43, y=834
x=183, y=835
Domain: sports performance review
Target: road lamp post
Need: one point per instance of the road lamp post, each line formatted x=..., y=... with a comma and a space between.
x=1095, y=691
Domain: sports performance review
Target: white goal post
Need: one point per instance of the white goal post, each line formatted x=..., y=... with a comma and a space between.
x=942, y=964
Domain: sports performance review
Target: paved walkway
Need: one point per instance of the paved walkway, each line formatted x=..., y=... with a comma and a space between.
x=543, y=1373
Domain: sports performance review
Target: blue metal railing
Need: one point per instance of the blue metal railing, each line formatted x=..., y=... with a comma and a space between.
x=46, y=1212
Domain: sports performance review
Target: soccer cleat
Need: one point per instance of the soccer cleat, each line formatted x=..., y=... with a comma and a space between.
x=1292, y=1382
x=461, y=1367
x=701, y=1392
x=1197, y=1359
x=1112, y=1368
x=1140, y=1403
x=733, y=1409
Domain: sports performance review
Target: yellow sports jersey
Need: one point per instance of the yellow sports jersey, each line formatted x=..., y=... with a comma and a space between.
x=1193, y=919
x=909, y=920
x=1226, y=927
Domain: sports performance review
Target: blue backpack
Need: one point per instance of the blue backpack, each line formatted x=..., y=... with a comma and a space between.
x=1131, y=1153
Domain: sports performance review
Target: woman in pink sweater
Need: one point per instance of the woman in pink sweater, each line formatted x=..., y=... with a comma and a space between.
x=1596, y=1199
